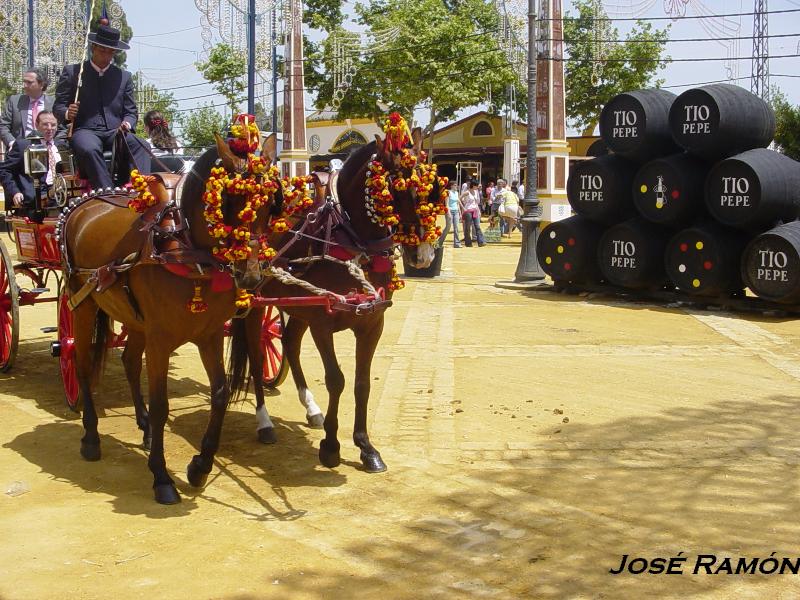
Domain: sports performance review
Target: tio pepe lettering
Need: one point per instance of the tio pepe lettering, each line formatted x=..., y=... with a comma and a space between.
x=624, y=255
x=591, y=188
x=696, y=119
x=625, y=124
x=735, y=192
x=772, y=266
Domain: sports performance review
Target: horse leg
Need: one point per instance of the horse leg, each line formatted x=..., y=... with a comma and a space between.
x=83, y=323
x=157, y=367
x=132, y=361
x=366, y=343
x=253, y=323
x=292, y=340
x=334, y=382
x=211, y=351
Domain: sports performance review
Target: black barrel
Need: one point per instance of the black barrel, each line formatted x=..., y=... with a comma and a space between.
x=631, y=254
x=669, y=190
x=754, y=189
x=600, y=188
x=567, y=250
x=597, y=148
x=771, y=264
x=704, y=260
x=636, y=124
x=720, y=120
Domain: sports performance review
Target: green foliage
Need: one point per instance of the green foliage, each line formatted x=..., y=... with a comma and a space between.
x=226, y=68
x=787, y=125
x=200, y=126
x=445, y=55
x=631, y=64
x=122, y=24
x=149, y=97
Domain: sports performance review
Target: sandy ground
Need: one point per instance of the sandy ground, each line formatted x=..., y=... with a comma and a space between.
x=532, y=440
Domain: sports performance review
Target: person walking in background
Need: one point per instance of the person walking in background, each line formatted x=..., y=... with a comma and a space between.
x=18, y=119
x=497, y=201
x=486, y=206
x=453, y=215
x=470, y=205
x=509, y=209
x=161, y=139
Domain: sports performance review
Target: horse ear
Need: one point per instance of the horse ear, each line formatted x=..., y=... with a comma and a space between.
x=270, y=148
x=379, y=145
x=416, y=138
x=229, y=159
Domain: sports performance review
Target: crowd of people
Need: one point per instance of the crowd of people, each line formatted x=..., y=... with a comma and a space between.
x=499, y=202
x=87, y=117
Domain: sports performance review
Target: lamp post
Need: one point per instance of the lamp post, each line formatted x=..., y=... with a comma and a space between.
x=528, y=268
x=251, y=57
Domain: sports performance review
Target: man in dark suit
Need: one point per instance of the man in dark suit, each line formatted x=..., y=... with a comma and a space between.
x=106, y=105
x=18, y=187
x=18, y=118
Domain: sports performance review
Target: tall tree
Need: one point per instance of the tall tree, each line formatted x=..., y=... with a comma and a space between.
x=440, y=54
x=200, y=126
x=149, y=97
x=592, y=80
x=226, y=69
x=787, y=125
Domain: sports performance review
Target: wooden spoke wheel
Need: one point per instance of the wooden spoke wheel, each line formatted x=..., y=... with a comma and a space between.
x=66, y=353
x=9, y=311
x=275, y=366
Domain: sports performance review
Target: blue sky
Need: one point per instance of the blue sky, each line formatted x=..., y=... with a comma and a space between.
x=167, y=41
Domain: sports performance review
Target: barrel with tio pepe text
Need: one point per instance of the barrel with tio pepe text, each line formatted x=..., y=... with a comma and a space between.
x=600, y=188
x=631, y=254
x=567, y=250
x=754, y=189
x=771, y=264
x=669, y=190
x=636, y=124
x=721, y=120
x=704, y=260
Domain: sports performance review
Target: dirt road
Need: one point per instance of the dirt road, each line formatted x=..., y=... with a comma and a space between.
x=532, y=440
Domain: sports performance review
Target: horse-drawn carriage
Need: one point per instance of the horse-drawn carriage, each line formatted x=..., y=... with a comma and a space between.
x=243, y=242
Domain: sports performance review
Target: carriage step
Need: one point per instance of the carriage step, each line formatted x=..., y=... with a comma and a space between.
x=39, y=290
x=49, y=329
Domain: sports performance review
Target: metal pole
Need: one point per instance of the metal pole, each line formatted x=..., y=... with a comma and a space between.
x=275, y=71
x=251, y=57
x=30, y=34
x=528, y=268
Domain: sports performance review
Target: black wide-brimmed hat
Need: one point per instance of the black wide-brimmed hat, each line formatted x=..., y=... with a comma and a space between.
x=109, y=37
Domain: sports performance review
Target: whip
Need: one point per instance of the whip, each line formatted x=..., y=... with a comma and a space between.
x=83, y=61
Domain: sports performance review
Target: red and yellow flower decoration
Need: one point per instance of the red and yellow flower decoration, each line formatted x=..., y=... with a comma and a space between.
x=144, y=198
x=246, y=136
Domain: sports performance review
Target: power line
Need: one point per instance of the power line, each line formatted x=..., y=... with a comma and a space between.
x=665, y=60
x=673, y=40
x=681, y=18
x=169, y=32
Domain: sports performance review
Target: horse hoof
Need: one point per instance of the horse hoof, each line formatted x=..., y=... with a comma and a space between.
x=196, y=476
x=267, y=435
x=373, y=463
x=315, y=421
x=329, y=455
x=165, y=493
x=90, y=452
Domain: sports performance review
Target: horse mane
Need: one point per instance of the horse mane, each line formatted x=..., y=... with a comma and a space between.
x=356, y=160
x=195, y=183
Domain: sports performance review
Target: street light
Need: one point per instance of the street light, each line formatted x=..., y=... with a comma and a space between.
x=528, y=268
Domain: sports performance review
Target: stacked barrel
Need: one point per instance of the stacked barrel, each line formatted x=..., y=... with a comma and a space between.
x=688, y=196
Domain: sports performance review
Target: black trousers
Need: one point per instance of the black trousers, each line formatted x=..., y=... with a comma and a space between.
x=89, y=144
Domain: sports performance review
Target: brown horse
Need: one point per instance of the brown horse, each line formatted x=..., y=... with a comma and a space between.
x=152, y=302
x=370, y=243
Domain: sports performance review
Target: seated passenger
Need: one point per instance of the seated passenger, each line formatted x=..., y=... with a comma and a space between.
x=20, y=190
x=161, y=139
x=106, y=106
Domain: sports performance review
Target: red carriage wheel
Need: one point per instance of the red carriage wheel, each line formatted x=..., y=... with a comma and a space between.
x=9, y=311
x=275, y=366
x=66, y=353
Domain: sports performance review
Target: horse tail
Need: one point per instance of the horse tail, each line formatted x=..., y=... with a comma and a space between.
x=99, y=348
x=238, y=360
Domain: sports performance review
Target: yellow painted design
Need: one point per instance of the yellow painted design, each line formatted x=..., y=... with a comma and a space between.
x=548, y=260
x=643, y=189
x=560, y=249
x=699, y=245
x=696, y=283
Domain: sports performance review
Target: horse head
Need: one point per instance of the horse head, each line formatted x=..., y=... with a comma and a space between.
x=415, y=195
x=228, y=205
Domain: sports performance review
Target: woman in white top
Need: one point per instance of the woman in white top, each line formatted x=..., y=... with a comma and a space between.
x=470, y=204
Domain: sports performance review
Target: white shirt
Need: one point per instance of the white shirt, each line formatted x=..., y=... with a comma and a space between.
x=55, y=158
x=100, y=71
